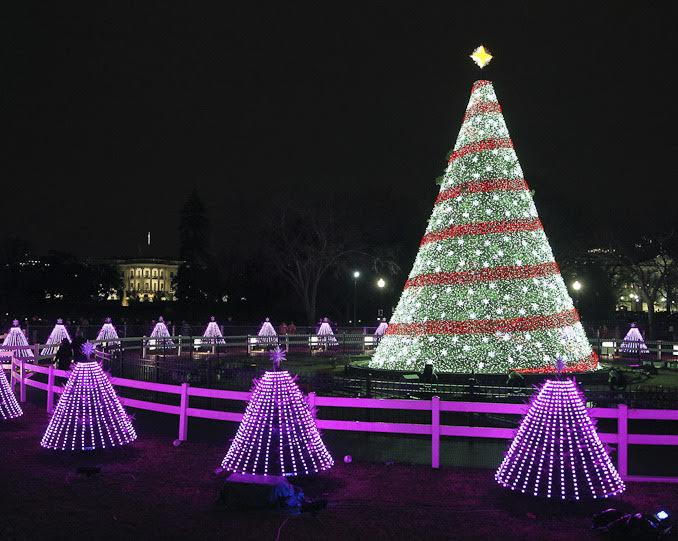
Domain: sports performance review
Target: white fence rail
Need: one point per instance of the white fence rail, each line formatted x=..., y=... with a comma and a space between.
x=22, y=374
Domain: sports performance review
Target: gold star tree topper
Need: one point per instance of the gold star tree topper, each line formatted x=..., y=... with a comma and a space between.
x=481, y=56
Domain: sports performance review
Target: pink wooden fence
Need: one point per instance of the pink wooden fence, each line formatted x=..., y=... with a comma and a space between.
x=21, y=374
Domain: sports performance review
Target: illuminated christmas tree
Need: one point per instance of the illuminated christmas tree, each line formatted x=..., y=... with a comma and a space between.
x=267, y=334
x=9, y=407
x=213, y=333
x=88, y=415
x=325, y=334
x=485, y=293
x=108, y=333
x=633, y=342
x=16, y=337
x=277, y=435
x=59, y=332
x=556, y=452
x=160, y=336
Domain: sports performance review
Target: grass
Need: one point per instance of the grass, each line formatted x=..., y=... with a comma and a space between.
x=154, y=490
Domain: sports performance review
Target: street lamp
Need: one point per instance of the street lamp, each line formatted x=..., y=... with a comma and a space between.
x=381, y=283
x=576, y=286
x=356, y=275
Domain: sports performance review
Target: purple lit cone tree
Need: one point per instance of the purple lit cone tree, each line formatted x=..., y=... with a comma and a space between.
x=9, y=407
x=108, y=334
x=212, y=333
x=277, y=435
x=160, y=336
x=57, y=335
x=556, y=452
x=89, y=414
x=16, y=337
x=633, y=342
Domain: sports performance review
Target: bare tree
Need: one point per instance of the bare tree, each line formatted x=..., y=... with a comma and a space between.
x=305, y=245
x=645, y=265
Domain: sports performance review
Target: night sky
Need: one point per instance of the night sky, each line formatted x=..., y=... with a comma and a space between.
x=114, y=113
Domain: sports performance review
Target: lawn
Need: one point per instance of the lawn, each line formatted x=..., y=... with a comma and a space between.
x=155, y=490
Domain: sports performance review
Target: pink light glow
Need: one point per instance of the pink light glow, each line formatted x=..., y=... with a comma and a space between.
x=9, y=407
x=89, y=415
x=277, y=435
x=109, y=334
x=633, y=342
x=58, y=333
x=557, y=452
x=213, y=333
x=16, y=337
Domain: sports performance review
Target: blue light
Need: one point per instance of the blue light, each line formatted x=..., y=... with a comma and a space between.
x=661, y=515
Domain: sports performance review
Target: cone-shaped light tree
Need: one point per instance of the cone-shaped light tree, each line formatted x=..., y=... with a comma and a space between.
x=88, y=415
x=213, y=333
x=59, y=332
x=160, y=336
x=633, y=342
x=556, y=452
x=277, y=435
x=16, y=337
x=267, y=334
x=485, y=293
x=9, y=407
x=108, y=333
x=326, y=334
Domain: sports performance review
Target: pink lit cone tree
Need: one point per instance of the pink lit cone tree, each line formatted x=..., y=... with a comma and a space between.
x=633, y=342
x=89, y=414
x=59, y=332
x=556, y=452
x=212, y=333
x=160, y=336
x=277, y=435
x=16, y=337
x=108, y=334
x=9, y=407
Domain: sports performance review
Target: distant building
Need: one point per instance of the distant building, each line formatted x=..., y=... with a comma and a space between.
x=148, y=279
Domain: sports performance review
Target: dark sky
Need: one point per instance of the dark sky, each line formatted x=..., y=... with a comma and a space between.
x=114, y=113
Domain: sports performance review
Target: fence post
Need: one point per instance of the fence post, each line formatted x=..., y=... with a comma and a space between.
x=311, y=403
x=12, y=373
x=659, y=350
x=180, y=344
x=22, y=382
x=143, y=347
x=622, y=436
x=50, y=389
x=36, y=352
x=183, y=413
x=435, y=432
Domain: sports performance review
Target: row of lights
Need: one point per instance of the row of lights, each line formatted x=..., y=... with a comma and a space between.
x=381, y=283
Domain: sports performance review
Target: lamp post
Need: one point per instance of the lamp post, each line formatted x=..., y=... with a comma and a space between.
x=576, y=287
x=381, y=284
x=356, y=275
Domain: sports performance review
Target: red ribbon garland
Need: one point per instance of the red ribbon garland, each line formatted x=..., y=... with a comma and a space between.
x=483, y=228
x=483, y=186
x=482, y=107
x=487, y=144
x=487, y=326
x=522, y=272
x=584, y=365
x=478, y=84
